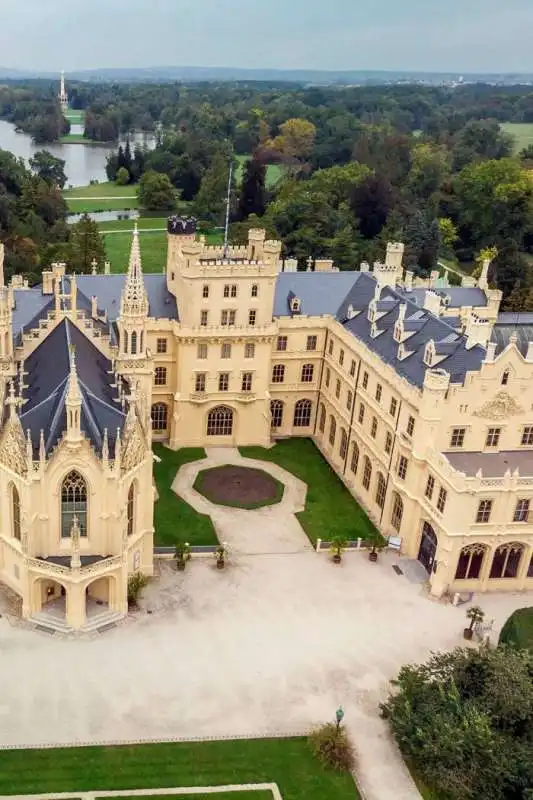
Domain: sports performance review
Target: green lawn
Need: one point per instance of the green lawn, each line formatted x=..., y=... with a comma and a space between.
x=273, y=173
x=287, y=762
x=174, y=519
x=277, y=498
x=330, y=509
x=106, y=189
x=75, y=138
x=81, y=205
x=518, y=630
x=74, y=117
x=522, y=132
x=127, y=225
x=260, y=794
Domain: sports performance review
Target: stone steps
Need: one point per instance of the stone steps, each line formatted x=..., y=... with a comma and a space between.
x=94, y=623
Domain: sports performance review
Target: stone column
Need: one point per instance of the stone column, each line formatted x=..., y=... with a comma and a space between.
x=76, y=616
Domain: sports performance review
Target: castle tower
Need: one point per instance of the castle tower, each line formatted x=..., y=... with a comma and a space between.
x=63, y=96
x=6, y=330
x=133, y=306
x=181, y=235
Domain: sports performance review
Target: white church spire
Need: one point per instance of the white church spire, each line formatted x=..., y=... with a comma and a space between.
x=134, y=300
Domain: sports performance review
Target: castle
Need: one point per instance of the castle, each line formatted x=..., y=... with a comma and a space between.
x=417, y=394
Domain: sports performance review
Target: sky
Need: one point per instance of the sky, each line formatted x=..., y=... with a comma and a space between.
x=429, y=35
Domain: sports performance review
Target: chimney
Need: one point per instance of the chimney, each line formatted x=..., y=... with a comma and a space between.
x=483, y=280
x=365, y=266
x=408, y=280
x=324, y=265
x=432, y=302
x=94, y=307
x=401, y=312
x=107, y=268
x=477, y=331
x=433, y=278
x=48, y=282
x=290, y=265
x=491, y=353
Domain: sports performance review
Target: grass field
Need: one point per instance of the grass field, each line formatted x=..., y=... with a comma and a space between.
x=273, y=174
x=174, y=519
x=100, y=196
x=108, y=189
x=257, y=794
x=330, y=509
x=287, y=762
x=75, y=117
x=522, y=132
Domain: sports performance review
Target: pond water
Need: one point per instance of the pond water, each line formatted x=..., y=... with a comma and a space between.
x=83, y=162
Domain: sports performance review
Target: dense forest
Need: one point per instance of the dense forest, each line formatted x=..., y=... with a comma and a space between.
x=355, y=166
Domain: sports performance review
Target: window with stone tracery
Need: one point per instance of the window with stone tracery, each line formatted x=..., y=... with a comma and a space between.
x=73, y=503
x=506, y=561
x=131, y=510
x=159, y=417
x=470, y=562
x=15, y=512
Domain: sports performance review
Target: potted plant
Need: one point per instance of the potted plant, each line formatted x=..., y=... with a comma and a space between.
x=373, y=555
x=337, y=547
x=475, y=614
x=183, y=554
x=221, y=554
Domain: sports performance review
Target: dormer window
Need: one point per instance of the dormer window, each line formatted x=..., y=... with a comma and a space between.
x=351, y=312
x=295, y=305
x=505, y=378
x=398, y=332
x=374, y=330
x=401, y=352
x=372, y=311
x=429, y=353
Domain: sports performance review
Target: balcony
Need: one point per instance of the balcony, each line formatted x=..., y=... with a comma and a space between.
x=234, y=397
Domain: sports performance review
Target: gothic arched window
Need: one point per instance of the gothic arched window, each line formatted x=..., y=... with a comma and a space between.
x=131, y=510
x=134, y=343
x=159, y=416
x=15, y=512
x=276, y=413
x=302, y=414
x=73, y=503
x=220, y=421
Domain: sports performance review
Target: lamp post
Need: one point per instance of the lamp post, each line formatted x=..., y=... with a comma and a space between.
x=339, y=716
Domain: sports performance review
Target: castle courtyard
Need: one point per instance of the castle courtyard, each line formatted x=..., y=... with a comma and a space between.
x=270, y=645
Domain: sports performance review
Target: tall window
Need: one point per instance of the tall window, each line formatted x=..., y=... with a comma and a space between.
x=161, y=345
x=246, y=384
x=379, y=392
x=393, y=406
x=388, y=442
x=276, y=413
x=402, y=467
x=322, y=419
x=332, y=430
x=201, y=351
x=367, y=472
x=470, y=562
x=493, y=437
x=483, y=511
x=338, y=389
x=505, y=378
x=311, y=343
x=159, y=417
x=278, y=373
x=220, y=421
x=204, y=315
x=355, y=458
x=307, y=373
x=199, y=384
x=352, y=368
x=302, y=414
x=341, y=357
x=15, y=512
x=365, y=380
x=397, y=513
x=374, y=428
x=506, y=561
x=205, y=290
x=458, y=437
x=255, y=290
x=343, y=447
x=249, y=350
x=381, y=489
x=133, y=344
x=160, y=378
x=361, y=416
x=330, y=347
x=411, y=426
x=223, y=381
x=521, y=512
x=252, y=316
x=225, y=350
x=227, y=316
x=73, y=503
x=328, y=377
x=281, y=344
x=527, y=435
x=130, y=513
x=441, y=499
x=349, y=400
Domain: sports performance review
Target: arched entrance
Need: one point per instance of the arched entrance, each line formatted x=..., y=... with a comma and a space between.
x=99, y=597
x=428, y=546
x=49, y=598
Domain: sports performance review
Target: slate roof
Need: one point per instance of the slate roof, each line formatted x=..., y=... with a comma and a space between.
x=319, y=292
x=492, y=465
x=509, y=323
x=47, y=371
x=458, y=296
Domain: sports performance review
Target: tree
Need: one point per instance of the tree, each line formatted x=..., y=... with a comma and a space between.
x=510, y=266
x=86, y=244
x=252, y=199
x=481, y=139
x=465, y=722
x=123, y=177
x=156, y=192
x=422, y=241
x=372, y=201
x=448, y=236
x=430, y=165
x=211, y=198
x=238, y=232
x=49, y=168
x=296, y=138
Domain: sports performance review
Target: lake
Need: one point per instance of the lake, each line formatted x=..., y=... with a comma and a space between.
x=83, y=162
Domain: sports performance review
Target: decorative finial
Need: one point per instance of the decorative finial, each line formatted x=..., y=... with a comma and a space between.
x=105, y=448
x=42, y=447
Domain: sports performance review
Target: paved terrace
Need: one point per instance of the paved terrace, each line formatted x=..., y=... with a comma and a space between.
x=270, y=645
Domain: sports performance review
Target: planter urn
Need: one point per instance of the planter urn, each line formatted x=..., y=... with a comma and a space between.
x=373, y=556
x=468, y=633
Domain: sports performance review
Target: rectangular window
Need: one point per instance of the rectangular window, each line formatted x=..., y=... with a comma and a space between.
x=365, y=380
x=430, y=486
x=246, y=382
x=307, y=373
x=233, y=292
x=224, y=316
x=281, y=343
x=255, y=290
x=225, y=350
x=374, y=428
x=203, y=318
x=249, y=350
x=328, y=376
x=232, y=315
x=278, y=373
x=483, y=511
x=441, y=499
x=349, y=400
x=330, y=347
x=521, y=512
x=341, y=357
x=388, y=443
x=352, y=368
x=411, y=426
x=361, y=413
x=252, y=316
x=393, y=406
x=493, y=437
x=205, y=290
x=527, y=435
x=199, y=384
x=379, y=391
x=402, y=467
x=338, y=389
x=160, y=378
x=311, y=343
x=201, y=351
x=230, y=290
x=161, y=346
x=223, y=382
x=458, y=437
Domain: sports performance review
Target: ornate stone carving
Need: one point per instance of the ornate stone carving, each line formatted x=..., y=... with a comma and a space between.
x=500, y=407
x=13, y=447
x=134, y=445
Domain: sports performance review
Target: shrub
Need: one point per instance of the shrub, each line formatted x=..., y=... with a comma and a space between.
x=332, y=746
x=136, y=584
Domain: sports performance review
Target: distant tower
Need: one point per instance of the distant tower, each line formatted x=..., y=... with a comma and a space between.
x=63, y=96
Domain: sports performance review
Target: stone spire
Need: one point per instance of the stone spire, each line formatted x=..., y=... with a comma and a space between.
x=73, y=401
x=134, y=300
x=75, y=558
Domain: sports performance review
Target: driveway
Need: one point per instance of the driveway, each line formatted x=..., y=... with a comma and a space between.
x=272, y=644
